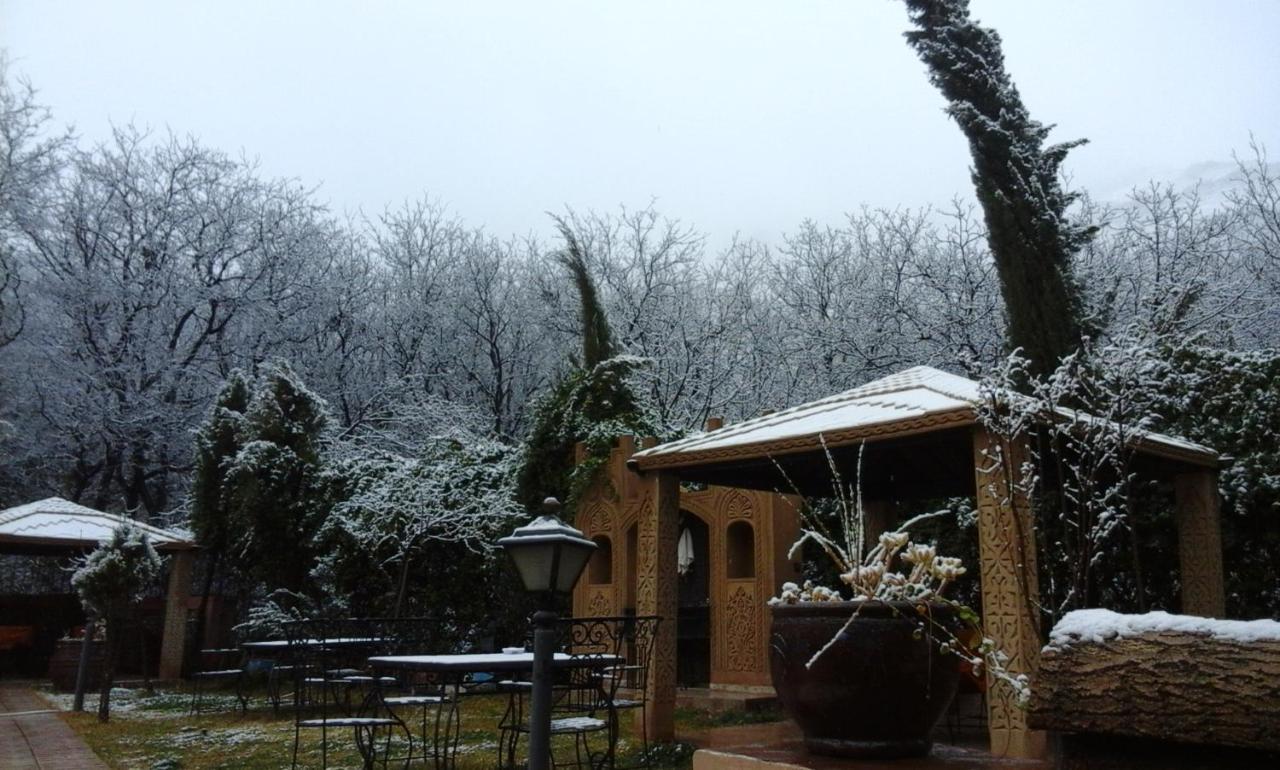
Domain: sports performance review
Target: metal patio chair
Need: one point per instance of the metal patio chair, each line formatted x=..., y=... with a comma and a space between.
x=333, y=692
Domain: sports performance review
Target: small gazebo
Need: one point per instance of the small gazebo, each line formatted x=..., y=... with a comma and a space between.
x=58, y=527
x=914, y=435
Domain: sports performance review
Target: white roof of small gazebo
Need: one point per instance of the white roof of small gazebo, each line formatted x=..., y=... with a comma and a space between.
x=911, y=401
x=55, y=522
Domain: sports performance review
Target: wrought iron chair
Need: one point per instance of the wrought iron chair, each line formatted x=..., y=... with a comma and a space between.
x=439, y=726
x=584, y=699
x=638, y=634
x=328, y=657
x=219, y=666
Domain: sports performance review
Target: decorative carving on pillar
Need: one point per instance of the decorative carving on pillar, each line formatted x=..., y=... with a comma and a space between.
x=1196, y=511
x=656, y=595
x=742, y=629
x=1010, y=590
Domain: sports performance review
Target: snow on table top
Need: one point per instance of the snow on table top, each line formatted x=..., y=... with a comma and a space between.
x=1100, y=625
x=485, y=661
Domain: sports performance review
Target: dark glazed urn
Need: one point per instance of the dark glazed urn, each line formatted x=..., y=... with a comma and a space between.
x=881, y=687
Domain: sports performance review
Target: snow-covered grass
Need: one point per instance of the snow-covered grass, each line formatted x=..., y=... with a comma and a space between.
x=153, y=731
x=1100, y=625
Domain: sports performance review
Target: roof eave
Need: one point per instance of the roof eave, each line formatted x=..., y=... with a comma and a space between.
x=649, y=460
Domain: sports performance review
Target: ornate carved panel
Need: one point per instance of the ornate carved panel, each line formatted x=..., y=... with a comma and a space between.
x=743, y=641
x=736, y=505
x=598, y=520
x=1010, y=592
x=600, y=601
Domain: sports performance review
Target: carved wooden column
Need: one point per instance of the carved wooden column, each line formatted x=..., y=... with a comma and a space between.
x=656, y=595
x=1200, y=543
x=1010, y=589
x=173, y=642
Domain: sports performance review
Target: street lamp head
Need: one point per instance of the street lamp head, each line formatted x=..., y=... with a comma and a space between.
x=548, y=554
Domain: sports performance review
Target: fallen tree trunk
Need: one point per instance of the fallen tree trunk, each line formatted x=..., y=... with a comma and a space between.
x=1171, y=678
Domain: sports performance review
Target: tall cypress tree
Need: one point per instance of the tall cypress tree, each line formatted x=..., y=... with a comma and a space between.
x=273, y=485
x=593, y=403
x=217, y=443
x=1016, y=179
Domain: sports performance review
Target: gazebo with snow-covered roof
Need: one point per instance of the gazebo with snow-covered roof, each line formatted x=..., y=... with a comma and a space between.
x=56, y=526
x=911, y=435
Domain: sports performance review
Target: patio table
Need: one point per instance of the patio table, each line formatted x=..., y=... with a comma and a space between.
x=280, y=653
x=453, y=669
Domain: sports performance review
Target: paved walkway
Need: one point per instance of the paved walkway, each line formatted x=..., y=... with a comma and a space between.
x=779, y=746
x=34, y=737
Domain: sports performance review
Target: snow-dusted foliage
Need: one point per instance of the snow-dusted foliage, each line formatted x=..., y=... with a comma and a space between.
x=117, y=573
x=1230, y=400
x=592, y=403
x=1105, y=532
x=1079, y=425
x=593, y=407
x=273, y=484
x=110, y=581
x=29, y=162
x=457, y=490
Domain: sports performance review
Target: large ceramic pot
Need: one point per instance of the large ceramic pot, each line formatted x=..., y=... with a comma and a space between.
x=879, y=689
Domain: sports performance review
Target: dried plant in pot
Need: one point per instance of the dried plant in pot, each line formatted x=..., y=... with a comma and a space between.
x=867, y=670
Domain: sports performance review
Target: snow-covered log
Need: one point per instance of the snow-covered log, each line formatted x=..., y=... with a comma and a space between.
x=1168, y=677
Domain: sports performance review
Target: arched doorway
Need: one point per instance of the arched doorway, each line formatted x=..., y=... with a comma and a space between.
x=693, y=615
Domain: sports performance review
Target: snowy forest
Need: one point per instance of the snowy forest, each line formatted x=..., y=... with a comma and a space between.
x=160, y=299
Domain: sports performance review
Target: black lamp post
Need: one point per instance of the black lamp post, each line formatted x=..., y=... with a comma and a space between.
x=549, y=555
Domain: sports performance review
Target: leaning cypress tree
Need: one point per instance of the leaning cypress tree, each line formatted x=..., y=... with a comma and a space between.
x=1016, y=179
x=593, y=403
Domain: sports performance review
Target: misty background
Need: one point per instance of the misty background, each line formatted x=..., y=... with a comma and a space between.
x=741, y=116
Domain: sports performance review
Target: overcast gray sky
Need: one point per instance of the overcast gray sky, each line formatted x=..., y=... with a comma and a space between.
x=735, y=115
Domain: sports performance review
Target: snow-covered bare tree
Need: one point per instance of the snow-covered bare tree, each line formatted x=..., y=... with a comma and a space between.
x=29, y=163
x=148, y=255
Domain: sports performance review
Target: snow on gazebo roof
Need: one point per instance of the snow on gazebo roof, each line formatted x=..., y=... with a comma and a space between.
x=916, y=400
x=55, y=522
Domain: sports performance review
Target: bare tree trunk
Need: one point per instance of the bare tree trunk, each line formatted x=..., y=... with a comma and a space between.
x=404, y=583
x=108, y=667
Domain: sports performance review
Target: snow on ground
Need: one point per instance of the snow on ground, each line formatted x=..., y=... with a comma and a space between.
x=139, y=704
x=1100, y=625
